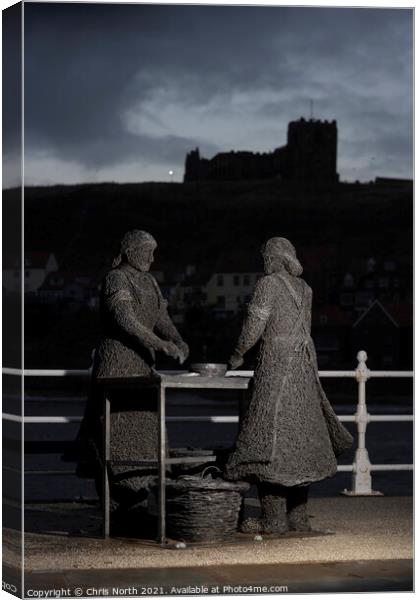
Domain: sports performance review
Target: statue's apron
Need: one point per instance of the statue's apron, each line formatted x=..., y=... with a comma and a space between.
x=255, y=447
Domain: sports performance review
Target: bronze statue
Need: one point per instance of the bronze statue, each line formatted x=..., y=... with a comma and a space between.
x=135, y=325
x=290, y=435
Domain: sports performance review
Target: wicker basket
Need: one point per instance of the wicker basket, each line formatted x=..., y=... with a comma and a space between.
x=199, y=508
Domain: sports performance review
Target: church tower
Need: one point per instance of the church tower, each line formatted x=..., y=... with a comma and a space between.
x=312, y=151
x=192, y=166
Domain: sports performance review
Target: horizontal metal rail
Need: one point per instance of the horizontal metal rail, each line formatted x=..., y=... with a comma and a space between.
x=390, y=418
x=361, y=467
x=341, y=468
x=194, y=419
x=72, y=472
x=87, y=372
x=391, y=467
x=46, y=372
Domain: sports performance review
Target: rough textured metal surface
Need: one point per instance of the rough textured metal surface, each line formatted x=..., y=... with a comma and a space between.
x=135, y=325
x=290, y=434
x=283, y=509
x=202, y=508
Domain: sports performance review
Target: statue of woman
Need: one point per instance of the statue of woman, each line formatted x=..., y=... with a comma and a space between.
x=135, y=325
x=290, y=436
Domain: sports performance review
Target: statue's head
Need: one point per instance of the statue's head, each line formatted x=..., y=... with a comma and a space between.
x=137, y=249
x=279, y=254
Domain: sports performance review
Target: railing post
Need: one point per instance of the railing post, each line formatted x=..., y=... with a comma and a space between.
x=361, y=476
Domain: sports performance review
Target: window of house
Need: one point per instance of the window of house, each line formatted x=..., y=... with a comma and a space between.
x=246, y=280
x=323, y=319
x=247, y=299
x=221, y=301
x=220, y=280
x=236, y=280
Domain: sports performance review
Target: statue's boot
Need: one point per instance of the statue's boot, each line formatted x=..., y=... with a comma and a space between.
x=273, y=508
x=297, y=508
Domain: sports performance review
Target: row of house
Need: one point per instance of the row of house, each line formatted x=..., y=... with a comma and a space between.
x=384, y=329
x=369, y=307
x=37, y=266
x=225, y=294
x=226, y=291
x=45, y=283
x=385, y=281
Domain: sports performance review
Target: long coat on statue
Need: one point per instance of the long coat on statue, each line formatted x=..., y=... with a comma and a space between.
x=290, y=434
x=133, y=314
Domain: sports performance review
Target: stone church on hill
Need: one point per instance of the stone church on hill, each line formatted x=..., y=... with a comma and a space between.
x=310, y=155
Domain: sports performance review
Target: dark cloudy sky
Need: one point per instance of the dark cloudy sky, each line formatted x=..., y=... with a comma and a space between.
x=122, y=92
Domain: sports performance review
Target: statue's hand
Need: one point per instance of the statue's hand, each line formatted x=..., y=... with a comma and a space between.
x=236, y=360
x=172, y=350
x=184, y=350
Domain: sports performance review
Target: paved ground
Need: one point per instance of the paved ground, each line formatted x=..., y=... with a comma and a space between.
x=354, y=576
x=365, y=544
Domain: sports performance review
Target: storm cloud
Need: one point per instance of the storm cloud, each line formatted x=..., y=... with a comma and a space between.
x=122, y=92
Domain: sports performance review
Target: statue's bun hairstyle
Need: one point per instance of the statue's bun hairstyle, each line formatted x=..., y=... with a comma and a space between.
x=283, y=251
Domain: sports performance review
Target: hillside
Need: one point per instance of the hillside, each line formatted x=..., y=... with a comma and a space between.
x=208, y=224
x=215, y=226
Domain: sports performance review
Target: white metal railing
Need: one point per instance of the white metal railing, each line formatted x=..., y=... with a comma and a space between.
x=361, y=468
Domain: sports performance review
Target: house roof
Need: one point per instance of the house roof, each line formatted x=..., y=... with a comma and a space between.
x=59, y=280
x=33, y=260
x=335, y=315
x=36, y=259
x=400, y=314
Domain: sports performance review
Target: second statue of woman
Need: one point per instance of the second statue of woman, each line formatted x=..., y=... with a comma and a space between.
x=290, y=436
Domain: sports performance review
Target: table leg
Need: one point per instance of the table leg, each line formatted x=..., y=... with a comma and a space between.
x=162, y=465
x=106, y=455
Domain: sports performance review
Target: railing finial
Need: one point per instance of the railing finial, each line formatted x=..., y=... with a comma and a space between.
x=362, y=373
x=362, y=356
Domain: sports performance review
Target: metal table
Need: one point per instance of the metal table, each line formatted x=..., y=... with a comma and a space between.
x=160, y=382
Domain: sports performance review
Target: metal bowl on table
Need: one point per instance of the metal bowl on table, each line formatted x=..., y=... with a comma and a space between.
x=209, y=369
